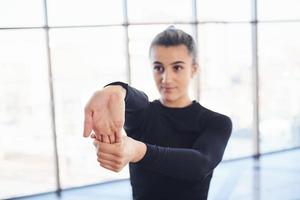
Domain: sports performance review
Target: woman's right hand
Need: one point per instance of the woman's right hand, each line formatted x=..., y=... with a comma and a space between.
x=116, y=156
x=105, y=114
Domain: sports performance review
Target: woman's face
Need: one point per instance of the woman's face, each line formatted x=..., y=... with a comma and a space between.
x=173, y=70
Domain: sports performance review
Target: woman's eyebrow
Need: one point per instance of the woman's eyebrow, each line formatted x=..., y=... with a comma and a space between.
x=177, y=62
x=157, y=62
x=173, y=63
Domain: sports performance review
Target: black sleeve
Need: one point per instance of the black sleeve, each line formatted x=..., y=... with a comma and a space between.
x=194, y=163
x=135, y=102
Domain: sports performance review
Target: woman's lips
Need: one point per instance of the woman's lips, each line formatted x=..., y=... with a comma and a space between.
x=167, y=89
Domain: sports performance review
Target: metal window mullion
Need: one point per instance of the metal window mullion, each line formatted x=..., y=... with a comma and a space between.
x=198, y=79
x=52, y=103
x=126, y=24
x=255, y=78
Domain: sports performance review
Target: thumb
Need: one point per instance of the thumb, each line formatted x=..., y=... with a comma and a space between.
x=88, y=123
x=118, y=134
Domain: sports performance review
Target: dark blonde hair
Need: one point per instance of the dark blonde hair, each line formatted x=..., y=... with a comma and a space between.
x=174, y=37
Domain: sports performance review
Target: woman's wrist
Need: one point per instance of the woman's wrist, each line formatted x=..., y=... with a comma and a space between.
x=118, y=89
x=139, y=152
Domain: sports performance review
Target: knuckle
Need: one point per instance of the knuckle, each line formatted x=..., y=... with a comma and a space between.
x=116, y=170
x=119, y=154
x=117, y=165
x=119, y=162
x=102, y=164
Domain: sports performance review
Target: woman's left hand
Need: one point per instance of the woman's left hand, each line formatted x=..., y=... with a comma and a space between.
x=116, y=156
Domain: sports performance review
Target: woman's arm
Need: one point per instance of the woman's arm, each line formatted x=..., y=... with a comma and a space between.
x=135, y=102
x=107, y=109
x=105, y=114
x=194, y=163
x=115, y=156
x=181, y=163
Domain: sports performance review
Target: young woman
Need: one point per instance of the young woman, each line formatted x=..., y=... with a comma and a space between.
x=173, y=144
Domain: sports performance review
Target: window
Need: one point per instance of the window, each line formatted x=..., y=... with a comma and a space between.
x=230, y=10
x=278, y=10
x=84, y=12
x=83, y=61
x=160, y=11
x=26, y=141
x=90, y=43
x=19, y=13
x=225, y=74
x=279, y=50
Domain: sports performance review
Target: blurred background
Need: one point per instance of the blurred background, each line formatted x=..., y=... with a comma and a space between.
x=55, y=53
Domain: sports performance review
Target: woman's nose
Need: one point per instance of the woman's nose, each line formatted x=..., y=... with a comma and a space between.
x=166, y=77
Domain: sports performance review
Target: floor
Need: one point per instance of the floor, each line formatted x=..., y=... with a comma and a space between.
x=274, y=176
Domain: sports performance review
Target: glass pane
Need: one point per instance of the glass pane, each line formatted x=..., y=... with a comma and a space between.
x=230, y=10
x=279, y=50
x=160, y=11
x=140, y=38
x=278, y=9
x=225, y=55
x=26, y=144
x=20, y=13
x=84, y=12
x=84, y=60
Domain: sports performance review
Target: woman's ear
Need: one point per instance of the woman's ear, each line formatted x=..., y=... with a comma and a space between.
x=195, y=68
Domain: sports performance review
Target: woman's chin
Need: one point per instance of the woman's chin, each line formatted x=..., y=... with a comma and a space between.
x=168, y=98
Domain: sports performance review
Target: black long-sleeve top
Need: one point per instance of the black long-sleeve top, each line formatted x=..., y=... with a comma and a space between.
x=184, y=145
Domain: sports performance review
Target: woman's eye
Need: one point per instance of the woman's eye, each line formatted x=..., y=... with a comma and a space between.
x=177, y=67
x=158, y=68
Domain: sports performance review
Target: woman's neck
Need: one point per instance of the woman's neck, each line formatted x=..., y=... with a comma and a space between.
x=180, y=103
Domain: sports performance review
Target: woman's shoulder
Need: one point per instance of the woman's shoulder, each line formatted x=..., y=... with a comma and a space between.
x=212, y=116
